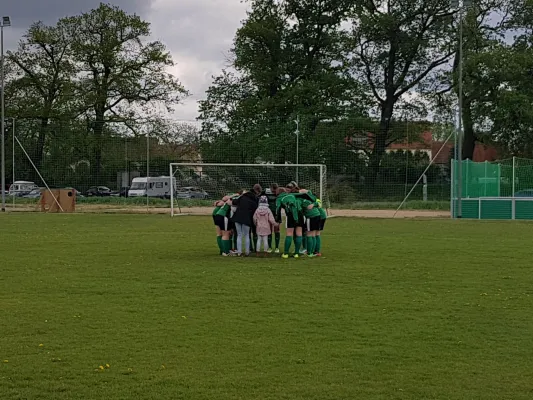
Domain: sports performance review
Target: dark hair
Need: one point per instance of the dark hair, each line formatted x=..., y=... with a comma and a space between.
x=257, y=188
x=274, y=187
x=240, y=191
x=280, y=190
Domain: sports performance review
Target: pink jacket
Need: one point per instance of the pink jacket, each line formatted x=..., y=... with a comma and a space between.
x=263, y=220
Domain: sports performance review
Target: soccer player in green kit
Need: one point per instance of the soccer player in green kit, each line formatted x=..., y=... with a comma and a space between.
x=294, y=220
x=218, y=205
x=222, y=221
x=310, y=210
x=318, y=237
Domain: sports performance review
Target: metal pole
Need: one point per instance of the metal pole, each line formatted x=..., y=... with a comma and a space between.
x=13, y=151
x=514, y=174
x=147, y=167
x=297, y=147
x=3, y=184
x=460, y=120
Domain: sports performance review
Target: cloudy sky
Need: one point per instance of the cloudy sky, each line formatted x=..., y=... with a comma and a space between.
x=197, y=32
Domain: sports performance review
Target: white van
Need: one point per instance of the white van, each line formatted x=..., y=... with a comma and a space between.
x=21, y=188
x=151, y=187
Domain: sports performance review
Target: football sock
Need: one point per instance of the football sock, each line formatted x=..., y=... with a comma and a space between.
x=310, y=245
x=227, y=246
x=288, y=243
x=219, y=243
x=297, y=244
x=278, y=238
x=318, y=244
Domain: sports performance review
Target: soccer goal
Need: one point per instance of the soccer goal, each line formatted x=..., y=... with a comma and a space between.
x=208, y=182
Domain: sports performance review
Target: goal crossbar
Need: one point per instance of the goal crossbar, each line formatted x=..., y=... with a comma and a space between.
x=174, y=166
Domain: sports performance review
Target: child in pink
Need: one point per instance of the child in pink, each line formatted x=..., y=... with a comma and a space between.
x=263, y=221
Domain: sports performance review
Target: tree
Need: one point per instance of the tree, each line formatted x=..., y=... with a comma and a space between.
x=285, y=62
x=122, y=77
x=40, y=86
x=394, y=48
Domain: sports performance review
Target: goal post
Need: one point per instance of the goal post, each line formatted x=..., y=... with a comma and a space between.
x=212, y=181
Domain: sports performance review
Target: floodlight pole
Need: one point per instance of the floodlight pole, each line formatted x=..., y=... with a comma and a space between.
x=4, y=21
x=460, y=119
x=297, y=121
x=462, y=5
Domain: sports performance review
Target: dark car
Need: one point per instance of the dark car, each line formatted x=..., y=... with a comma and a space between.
x=524, y=193
x=191, y=192
x=99, y=191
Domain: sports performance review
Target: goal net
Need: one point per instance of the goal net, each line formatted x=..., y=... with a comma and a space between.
x=209, y=182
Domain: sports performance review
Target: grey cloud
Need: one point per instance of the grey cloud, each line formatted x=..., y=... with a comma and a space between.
x=203, y=29
x=24, y=12
x=199, y=33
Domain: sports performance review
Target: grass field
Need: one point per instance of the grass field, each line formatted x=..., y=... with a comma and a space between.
x=396, y=309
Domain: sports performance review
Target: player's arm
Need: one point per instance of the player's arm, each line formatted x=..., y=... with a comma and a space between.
x=278, y=210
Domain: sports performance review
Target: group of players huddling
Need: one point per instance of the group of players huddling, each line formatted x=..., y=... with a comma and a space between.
x=254, y=217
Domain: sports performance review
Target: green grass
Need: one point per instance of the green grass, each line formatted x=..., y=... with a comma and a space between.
x=396, y=309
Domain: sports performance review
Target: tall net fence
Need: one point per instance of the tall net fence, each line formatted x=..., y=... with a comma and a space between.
x=498, y=190
x=101, y=169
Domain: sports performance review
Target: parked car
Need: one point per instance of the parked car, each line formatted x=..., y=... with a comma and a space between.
x=191, y=192
x=524, y=193
x=34, y=194
x=123, y=192
x=21, y=188
x=98, y=191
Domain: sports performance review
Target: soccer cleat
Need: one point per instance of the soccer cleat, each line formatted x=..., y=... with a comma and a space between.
x=311, y=255
x=296, y=256
x=284, y=256
x=269, y=251
x=276, y=251
x=318, y=254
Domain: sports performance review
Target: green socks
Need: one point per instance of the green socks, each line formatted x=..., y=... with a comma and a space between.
x=318, y=244
x=278, y=238
x=288, y=243
x=219, y=242
x=226, y=245
x=311, y=245
x=297, y=244
x=304, y=242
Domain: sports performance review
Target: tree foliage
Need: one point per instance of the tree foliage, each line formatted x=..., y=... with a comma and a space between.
x=91, y=77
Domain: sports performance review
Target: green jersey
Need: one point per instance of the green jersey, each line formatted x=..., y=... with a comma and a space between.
x=309, y=213
x=289, y=203
x=322, y=212
x=215, y=211
x=224, y=210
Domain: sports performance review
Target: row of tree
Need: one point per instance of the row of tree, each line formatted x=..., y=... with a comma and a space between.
x=348, y=77
x=362, y=68
x=73, y=85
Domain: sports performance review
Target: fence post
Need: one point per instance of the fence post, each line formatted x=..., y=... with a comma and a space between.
x=514, y=169
x=485, y=185
x=452, y=190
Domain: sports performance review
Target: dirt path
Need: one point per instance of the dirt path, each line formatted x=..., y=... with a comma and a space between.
x=114, y=209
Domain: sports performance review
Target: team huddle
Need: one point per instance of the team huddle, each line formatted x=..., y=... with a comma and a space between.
x=252, y=218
